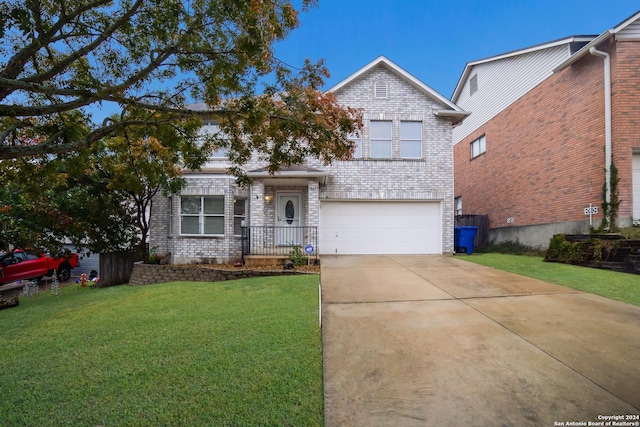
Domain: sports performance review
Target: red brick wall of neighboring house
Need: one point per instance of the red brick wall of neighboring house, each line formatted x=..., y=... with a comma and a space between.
x=626, y=116
x=544, y=160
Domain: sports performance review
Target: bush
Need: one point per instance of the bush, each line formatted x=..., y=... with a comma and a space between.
x=581, y=252
x=511, y=247
x=297, y=256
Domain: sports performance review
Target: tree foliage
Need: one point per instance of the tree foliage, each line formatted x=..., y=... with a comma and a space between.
x=61, y=57
x=66, y=177
x=139, y=163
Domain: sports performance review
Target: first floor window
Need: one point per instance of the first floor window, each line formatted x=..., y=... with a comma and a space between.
x=478, y=147
x=458, y=205
x=202, y=215
x=381, y=137
x=357, y=145
x=411, y=140
x=239, y=215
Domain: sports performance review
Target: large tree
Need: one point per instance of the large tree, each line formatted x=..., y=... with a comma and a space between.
x=61, y=58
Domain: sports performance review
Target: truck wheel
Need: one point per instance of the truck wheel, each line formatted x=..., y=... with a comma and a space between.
x=64, y=274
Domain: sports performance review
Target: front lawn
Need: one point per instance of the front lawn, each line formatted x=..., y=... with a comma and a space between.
x=244, y=352
x=620, y=286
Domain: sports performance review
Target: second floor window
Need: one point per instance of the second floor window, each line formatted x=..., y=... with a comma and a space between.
x=410, y=140
x=381, y=138
x=478, y=147
x=210, y=127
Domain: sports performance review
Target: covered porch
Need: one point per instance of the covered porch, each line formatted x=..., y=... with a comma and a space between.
x=284, y=213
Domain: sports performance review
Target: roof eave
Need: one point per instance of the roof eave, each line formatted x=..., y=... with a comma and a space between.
x=457, y=116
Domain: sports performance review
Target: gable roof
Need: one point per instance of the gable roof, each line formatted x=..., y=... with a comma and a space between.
x=598, y=40
x=559, y=42
x=451, y=109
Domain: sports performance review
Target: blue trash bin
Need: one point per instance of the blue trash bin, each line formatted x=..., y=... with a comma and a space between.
x=463, y=239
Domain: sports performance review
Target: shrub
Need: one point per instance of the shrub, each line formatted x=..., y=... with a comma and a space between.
x=512, y=247
x=297, y=256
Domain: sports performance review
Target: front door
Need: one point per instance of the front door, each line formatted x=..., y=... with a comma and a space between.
x=288, y=223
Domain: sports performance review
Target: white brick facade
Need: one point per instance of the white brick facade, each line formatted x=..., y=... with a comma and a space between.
x=429, y=178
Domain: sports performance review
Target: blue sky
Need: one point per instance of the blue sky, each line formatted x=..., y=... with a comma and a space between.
x=433, y=40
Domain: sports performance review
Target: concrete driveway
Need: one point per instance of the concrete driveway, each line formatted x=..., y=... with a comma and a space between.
x=434, y=340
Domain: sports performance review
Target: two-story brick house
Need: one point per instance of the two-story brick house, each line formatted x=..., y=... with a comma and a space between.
x=533, y=154
x=394, y=197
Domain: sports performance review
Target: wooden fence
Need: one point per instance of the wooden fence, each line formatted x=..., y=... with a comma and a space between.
x=116, y=267
x=480, y=221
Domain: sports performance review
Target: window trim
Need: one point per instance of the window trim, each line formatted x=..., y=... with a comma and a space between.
x=201, y=216
x=481, y=143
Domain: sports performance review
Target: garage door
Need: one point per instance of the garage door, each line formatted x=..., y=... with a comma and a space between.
x=380, y=228
x=636, y=186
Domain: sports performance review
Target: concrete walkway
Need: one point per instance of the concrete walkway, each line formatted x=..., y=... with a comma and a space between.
x=434, y=340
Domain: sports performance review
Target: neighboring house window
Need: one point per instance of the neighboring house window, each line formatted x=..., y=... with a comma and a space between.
x=357, y=145
x=473, y=85
x=458, y=205
x=211, y=127
x=381, y=136
x=411, y=140
x=239, y=215
x=380, y=89
x=478, y=147
x=202, y=215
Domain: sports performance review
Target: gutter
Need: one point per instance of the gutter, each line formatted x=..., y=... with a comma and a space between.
x=607, y=117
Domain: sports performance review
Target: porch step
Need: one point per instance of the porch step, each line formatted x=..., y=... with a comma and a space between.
x=261, y=260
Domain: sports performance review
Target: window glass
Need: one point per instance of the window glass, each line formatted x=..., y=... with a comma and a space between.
x=357, y=145
x=211, y=128
x=214, y=225
x=214, y=205
x=202, y=215
x=190, y=205
x=381, y=135
x=411, y=140
x=190, y=225
x=239, y=213
x=478, y=146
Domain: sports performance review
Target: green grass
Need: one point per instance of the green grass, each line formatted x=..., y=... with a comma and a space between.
x=239, y=353
x=620, y=286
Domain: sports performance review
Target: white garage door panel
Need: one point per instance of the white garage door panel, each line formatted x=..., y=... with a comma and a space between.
x=636, y=186
x=380, y=228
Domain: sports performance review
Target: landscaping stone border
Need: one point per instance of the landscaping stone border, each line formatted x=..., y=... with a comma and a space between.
x=147, y=274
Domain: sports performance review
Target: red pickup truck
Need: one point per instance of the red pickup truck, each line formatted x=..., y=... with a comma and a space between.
x=27, y=264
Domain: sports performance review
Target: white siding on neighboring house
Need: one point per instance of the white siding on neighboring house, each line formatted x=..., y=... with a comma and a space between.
x=636, y=186
x=631, y=32
x=503, y=81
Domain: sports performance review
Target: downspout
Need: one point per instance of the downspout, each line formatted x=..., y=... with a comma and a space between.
x=607, y=117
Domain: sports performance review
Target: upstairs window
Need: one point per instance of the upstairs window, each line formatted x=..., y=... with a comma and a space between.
x=202, y=215
x=380, y=89
x=210, y=127
x=473, y=84
x=478, y=147
x=381, y=137
x=411, y=140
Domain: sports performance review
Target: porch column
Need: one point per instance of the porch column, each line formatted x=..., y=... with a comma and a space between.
x=256, y=204
x=313, y=205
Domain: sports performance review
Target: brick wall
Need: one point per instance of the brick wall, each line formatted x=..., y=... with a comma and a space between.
x=544, y=160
